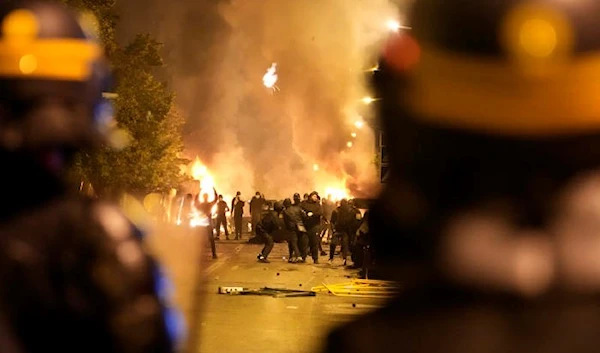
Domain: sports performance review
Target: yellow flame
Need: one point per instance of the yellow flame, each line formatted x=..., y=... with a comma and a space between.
x=200, y=173
x=337, y=193
x=271, y=77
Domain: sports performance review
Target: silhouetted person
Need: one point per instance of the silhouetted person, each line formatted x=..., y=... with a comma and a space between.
x=237, y=210
x=312, y=220
x=222, y=210
x=269, y=224
x=256, y=209
x=293, y=218
x=342, y=220
x=206, y=210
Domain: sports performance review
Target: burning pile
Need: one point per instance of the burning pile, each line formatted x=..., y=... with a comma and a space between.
x=207, y=188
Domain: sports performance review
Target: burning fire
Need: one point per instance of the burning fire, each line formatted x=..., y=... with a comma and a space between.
x=207, y=184
x=271, y=77
x=337, y=193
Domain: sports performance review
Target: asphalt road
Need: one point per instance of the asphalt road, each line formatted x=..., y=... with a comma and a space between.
x=233, y=323
x=249, y=324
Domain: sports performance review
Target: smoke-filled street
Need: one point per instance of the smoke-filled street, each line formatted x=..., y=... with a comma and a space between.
x=276, y=94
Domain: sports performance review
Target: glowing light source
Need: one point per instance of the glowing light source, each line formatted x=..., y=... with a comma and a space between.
x=395, y=26
x=368, y=100
x=200, y=172
x=350, y=144
x=359, y=124
x=373, y=69
x=353, y=135
x=271, y=77
x=337, y=193
x=538, y=38
x=316, y=167
x=28, y=64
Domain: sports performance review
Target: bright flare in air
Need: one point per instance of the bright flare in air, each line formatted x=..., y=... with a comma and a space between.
x=350, y=144
x=353, y=135
x=359, y=124
x=270, y=78
x=395, y=26
x=368, y=100
x=316, y=167
x=373, y=69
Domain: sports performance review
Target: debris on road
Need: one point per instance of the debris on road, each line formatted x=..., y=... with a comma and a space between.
x=361, y=288
x=266, y=291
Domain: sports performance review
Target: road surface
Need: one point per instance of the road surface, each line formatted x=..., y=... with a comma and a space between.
x=249, y=324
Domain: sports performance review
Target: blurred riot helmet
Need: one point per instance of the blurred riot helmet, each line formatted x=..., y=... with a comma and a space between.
x=484, y=104
x=52, y=76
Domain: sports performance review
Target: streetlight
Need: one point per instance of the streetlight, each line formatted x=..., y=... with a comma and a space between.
x=349, y=144
x=359, y=124
x=353, y=135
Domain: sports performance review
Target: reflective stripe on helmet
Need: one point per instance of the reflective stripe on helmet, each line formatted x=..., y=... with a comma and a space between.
x=497, y=96
x=59, y=59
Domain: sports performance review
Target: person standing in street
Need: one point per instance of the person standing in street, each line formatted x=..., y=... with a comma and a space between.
x=342, y=220
x=256, y=208
x=237, y=210
x=313, y=213
x=222, y=210
x=293, y=218
x=74, y=273
x=206, y=210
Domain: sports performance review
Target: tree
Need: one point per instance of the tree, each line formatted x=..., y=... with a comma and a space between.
x=144, y=109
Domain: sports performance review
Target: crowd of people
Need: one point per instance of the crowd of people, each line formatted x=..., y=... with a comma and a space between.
x=305, y=223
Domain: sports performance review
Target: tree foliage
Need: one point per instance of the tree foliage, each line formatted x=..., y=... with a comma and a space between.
x=144, y=108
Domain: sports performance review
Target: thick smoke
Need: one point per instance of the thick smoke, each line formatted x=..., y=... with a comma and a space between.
x=254, y=138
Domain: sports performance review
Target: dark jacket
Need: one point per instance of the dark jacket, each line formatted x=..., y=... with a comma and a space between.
x=222, y=208
x=237, y=208
x=313, y=213
x=270, y=223
x=294, y=218
x=343, y=219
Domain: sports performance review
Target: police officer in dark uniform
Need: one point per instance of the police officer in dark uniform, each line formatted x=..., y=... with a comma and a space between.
x=489, y=218
x=74, y=274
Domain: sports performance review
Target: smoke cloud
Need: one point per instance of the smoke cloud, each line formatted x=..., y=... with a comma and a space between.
x=294, y=138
